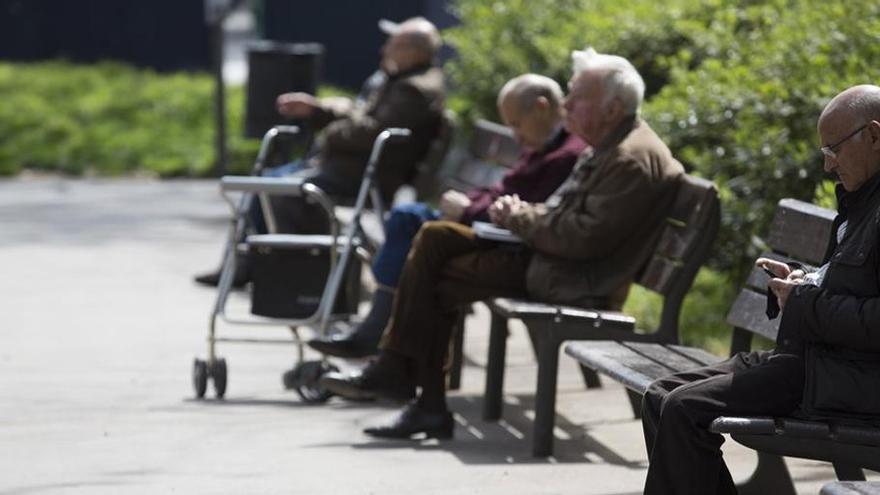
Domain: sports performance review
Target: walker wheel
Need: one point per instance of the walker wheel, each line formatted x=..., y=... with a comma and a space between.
x=304, y=379
x=218, y=375
x=200, y=377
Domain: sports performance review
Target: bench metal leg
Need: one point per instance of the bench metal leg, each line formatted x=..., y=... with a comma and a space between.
x=770, y=476
x=635, y=401
x=545, y=396
x=492, y=397
x=591, y=378
x=457, y=358
x=848, y=472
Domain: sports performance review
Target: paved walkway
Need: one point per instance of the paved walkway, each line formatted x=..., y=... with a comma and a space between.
x=100, y=323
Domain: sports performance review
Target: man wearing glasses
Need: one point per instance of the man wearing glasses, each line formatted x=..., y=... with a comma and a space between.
x=837, y=307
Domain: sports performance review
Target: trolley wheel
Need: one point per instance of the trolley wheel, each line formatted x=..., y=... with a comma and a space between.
x=304, y=379
x=218, y=375
x=200, y=377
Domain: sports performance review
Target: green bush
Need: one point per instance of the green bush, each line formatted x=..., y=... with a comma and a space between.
x=746, y=117
x=734, y=86
x=110, y=118
x=702, y=315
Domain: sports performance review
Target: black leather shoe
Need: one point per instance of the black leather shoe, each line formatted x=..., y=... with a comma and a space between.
x=373, y=382
x=344, y=346
x=412, y=420
x=212, y=279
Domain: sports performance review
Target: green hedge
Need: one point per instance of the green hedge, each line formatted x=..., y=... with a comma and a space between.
x=734, y=86
x=113, y=119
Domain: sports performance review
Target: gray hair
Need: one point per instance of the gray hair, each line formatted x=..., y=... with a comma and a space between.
x=527, y=88
x=622, y=80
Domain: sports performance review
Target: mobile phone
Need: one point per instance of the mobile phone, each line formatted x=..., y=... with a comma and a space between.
x=768, y=272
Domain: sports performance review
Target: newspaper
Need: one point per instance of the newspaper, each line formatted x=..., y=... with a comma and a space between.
x=486, y=230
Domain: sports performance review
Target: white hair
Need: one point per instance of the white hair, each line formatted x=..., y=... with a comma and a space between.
x=527, y=88
x=622, y=80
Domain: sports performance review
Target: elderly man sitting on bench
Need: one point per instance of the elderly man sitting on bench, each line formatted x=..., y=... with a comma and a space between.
x=582, y=246
x=532, y=106
x=836, y=307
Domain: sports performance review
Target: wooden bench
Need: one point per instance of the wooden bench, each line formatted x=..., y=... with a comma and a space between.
x=799, y=232
x=851, y=488
x=680, y=251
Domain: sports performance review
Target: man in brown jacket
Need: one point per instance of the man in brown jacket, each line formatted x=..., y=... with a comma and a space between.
x=409, y=93
x=410, y=96
x=583, y=246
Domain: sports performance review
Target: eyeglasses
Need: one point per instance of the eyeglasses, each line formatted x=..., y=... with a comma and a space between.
x=832, y=149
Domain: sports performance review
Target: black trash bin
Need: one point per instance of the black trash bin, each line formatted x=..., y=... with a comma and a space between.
x=275, y=68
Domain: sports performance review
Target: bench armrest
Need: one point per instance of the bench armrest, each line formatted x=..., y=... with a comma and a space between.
x=287, y=186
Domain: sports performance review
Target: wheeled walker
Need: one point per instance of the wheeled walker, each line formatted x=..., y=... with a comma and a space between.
x=338, y=248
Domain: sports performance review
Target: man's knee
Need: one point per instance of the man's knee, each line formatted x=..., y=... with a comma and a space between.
x=407, y=217
x=435, y=232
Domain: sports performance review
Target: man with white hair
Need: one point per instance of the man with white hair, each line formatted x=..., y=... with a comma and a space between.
x=531, y=105
x=583, y=246
x=835, y=309
x=408, y=92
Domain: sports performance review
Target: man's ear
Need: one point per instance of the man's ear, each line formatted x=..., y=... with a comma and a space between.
x=874, y=132
x=614, y=110
x=542, y=103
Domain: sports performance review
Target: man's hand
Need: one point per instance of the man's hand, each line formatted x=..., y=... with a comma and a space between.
x=296, y=105
x=453, y=204
x=504, y=207
x=785, y=279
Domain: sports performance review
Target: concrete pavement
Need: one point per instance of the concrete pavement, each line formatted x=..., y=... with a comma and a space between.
x=100, y=323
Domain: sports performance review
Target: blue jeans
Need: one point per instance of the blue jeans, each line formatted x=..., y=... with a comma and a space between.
x=400, y=229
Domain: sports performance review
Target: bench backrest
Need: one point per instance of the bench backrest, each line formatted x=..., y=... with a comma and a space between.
x=682, y=248
x=799, y=232
x=490, y=152
x=428, y=169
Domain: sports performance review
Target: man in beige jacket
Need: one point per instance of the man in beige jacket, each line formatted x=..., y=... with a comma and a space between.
x=583, y=246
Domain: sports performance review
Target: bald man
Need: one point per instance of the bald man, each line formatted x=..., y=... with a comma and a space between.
x=838, y=306
x=531, y=105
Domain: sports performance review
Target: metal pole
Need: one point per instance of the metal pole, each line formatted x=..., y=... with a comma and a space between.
x=216, y=30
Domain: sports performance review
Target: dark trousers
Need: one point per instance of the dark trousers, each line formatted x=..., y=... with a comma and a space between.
x=294, y=214
x=684, y=457
x=447, y=267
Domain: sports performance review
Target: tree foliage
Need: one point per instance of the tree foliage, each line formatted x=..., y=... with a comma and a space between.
x=734, y=86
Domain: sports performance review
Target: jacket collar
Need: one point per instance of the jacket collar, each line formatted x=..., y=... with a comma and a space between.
x=619, y=133
x=557, y=139
x=859, y=198
x=414, y=70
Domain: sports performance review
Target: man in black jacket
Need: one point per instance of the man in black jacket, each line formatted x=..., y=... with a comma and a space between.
x=837, y=306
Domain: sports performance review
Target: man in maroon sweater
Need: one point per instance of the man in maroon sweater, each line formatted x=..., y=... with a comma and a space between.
x=532, y=106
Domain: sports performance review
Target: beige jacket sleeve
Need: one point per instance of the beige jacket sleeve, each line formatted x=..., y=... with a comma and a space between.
x=594, y=218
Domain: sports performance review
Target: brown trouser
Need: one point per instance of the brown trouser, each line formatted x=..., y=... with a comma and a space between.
x=447, y=266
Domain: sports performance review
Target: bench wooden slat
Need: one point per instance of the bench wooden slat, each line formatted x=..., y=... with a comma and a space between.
x=749, y=313
x=704, y=358
x=690, y=219
x=606, y=357
x=659, y=353
x=851, y=488
x=522, y=309
x=801, y=230
x=494, y=142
